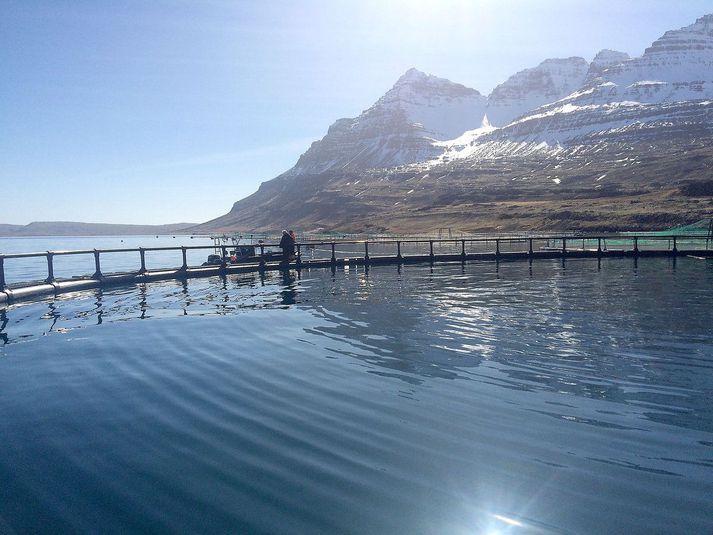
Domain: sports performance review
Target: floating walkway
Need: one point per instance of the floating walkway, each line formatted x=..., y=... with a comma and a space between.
x=333, y=254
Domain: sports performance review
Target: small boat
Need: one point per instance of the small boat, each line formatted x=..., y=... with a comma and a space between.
x=239, y=254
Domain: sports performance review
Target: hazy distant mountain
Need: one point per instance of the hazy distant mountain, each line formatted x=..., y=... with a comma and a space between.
x=614, y=143
x=68, y=228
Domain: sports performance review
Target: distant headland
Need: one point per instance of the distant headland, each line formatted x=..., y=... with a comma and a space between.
x=73, y=228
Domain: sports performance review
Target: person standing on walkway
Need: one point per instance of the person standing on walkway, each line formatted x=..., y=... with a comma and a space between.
x=287, y=244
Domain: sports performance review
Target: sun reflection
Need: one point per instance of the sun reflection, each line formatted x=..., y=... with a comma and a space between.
x=507, y=525
x=510, y=521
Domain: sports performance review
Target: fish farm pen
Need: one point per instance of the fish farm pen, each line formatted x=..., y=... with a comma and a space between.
x=234, y=258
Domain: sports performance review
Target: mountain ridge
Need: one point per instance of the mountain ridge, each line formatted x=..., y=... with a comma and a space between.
x=615, y=115
x=398, y=128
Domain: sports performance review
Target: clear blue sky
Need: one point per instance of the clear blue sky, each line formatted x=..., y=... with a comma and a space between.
x=157, y=111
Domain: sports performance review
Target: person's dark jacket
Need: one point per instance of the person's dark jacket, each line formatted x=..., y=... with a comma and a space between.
x=288, y=245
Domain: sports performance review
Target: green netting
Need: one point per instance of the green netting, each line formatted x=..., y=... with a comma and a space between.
x=704, y=227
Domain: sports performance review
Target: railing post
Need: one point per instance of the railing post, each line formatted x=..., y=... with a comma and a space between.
x=430, y=246
x=184, y=266
x=97, y=266
x=334, y=258
x=675, y=248
x=398, y=250
x=599, y=246
x=50, y=267
x=261, y=262
x=564, y=246
x=299, y=256
x=497, y=248
x=223, y=256
x=462, y=249
x=636, y=245
x=3, y=285
x=366, y=251
x=142, y=254
x=529, y=248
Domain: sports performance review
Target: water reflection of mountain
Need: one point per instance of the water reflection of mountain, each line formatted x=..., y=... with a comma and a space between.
x=391, y=319
x=616, y=331
x=620, y=331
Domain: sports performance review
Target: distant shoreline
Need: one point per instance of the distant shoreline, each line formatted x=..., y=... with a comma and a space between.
x=77, y=229
x=139, y=235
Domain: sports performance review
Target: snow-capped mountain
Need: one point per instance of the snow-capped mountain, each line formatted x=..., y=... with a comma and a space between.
x=549, y=81
x=399, y=128
x=666, y=93
x=560, y=102
x=676, y=67
x=567, y=132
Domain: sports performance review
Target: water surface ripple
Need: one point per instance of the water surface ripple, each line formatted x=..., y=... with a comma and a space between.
x=483, y=398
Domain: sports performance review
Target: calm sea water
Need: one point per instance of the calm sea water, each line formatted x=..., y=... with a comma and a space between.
x=485, y=398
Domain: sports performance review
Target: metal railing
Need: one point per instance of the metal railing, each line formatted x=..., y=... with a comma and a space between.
x=382, y=250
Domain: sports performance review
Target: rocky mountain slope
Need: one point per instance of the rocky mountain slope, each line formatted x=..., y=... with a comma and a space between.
x=615, y=143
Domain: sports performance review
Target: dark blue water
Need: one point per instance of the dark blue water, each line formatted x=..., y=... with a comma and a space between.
x=482, y=398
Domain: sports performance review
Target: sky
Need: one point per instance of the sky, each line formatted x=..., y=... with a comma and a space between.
x=164, y=111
